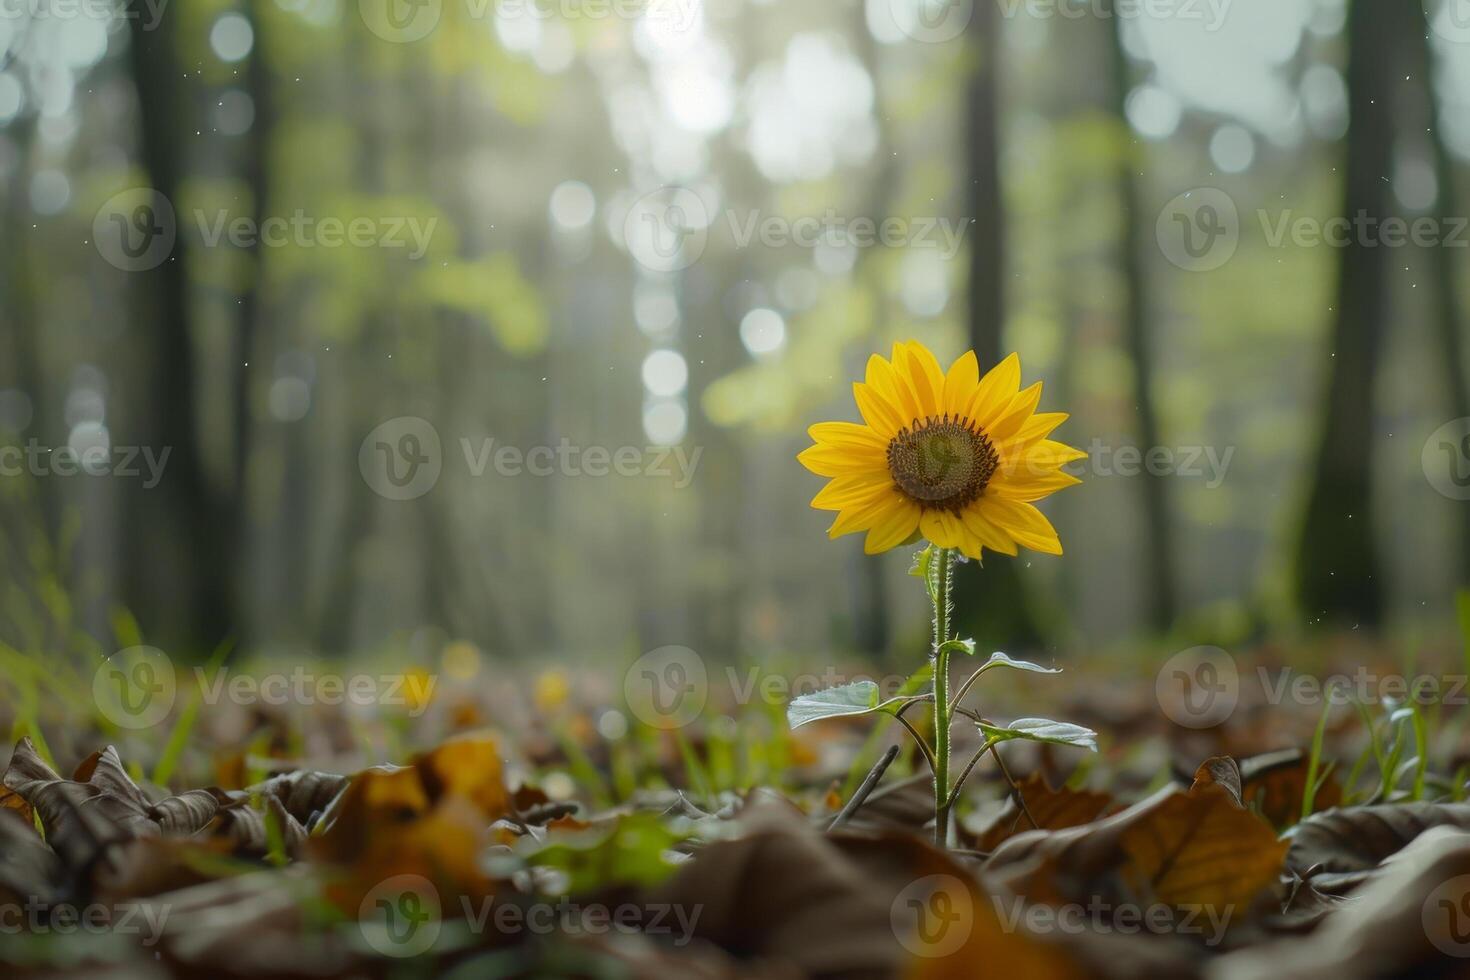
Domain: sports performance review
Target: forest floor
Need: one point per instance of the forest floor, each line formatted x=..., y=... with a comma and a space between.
x=1290, y=811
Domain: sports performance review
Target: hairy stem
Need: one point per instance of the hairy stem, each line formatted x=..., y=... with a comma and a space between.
x=941, y=573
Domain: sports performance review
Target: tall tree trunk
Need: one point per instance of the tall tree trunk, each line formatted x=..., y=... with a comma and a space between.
x=1337, y=575
x=1137, y=241
x=999, y=615
x=236, y=503
x=1448, y=315
x=175, y=545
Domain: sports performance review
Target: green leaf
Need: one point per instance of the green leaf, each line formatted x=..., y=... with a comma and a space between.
x=1042, y=730
x=923, y=568
x=967, y=647
x=999, y=659
x=857, y=698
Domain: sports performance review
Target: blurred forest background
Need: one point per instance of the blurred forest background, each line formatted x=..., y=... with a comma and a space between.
x=564, y=153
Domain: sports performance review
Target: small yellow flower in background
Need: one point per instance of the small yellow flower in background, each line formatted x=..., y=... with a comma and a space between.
x=418, y=689
x=949, y=456
x=552, y=690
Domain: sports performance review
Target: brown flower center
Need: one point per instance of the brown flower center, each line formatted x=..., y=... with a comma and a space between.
x=942, y=463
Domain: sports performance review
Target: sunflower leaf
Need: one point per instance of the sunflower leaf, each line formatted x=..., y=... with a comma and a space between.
x=857, y=698
x=999, y=659
x=1041, y=730
x=922, y=568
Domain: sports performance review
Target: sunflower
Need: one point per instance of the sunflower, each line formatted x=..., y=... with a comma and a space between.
x=948, y=456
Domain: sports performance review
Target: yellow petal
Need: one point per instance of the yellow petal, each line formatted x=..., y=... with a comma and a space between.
x=1009, y=421
x=1031, y=487
x=862, y=517
x=942, y=528
x=850, y=491
x=884, y=378
x=894, y=528
x=834, y=461
x=987, y=533
x=926, y=377
x=1043, y=457
x=882, y=415
x=996, y=390
x=960, y=383
x=847, y=435
x=1032, y=431
x=1023, y=522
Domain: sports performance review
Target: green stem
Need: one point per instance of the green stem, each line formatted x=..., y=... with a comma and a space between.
x=943, y=573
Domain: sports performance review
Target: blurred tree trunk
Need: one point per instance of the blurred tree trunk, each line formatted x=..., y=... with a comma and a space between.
x=999, y=614
x=1137, y=242
x=1448, y=315
x=176, y=548
x=871, y=627
x=1338, y=577
x=236, y=502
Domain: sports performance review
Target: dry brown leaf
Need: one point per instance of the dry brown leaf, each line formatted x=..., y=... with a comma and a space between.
x=1180, y=848
x=1357, y=838
x=1273, y=784
x=1053, y=809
